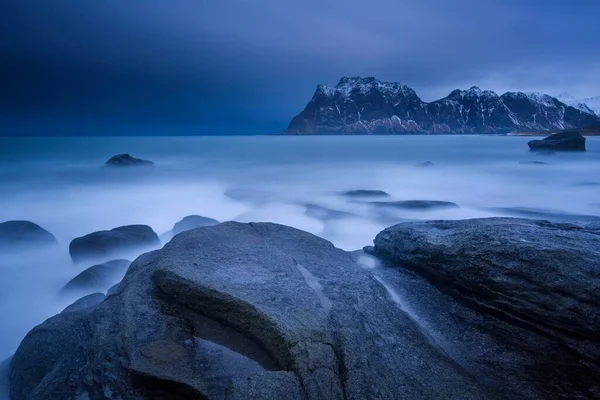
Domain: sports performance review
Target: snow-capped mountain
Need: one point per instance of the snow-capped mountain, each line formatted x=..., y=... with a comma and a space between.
x=369, y=106
x=588, y=104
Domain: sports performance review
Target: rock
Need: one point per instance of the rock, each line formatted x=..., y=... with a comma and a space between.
x=415, y=204
x=365, y=193
x=191, y=222
x=242, y=311
x=98, y=277
x=538, y=280
x=425, y=164
x=19, y=235
x=325, y=214
x=108, y=244
x=85, y=303
x=533, y=163
x=570, y=141
x=125, y=160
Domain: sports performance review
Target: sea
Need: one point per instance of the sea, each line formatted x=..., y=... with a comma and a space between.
x=61, y=184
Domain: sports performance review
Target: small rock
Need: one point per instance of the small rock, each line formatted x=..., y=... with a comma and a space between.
x=125, y=160
x=17, y=235
x=365, y=193
x=415, y=204
x=98, y=277
x=192, y=222
x=425, y=164
x=104, y=244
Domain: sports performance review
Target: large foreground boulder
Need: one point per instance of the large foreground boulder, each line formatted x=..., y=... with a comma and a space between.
x=125, y=160
x=98, y=277
x=566, y=141
x=18, y=235
x=240, y=311
x=537, y=284
x=103, y=245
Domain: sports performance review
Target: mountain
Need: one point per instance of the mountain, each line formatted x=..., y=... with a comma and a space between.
x=588, y=104
x=369, y=106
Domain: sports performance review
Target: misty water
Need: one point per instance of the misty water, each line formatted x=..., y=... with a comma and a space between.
x=61, y=184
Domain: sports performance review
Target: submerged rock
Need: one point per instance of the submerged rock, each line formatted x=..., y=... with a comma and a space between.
x=107, y=244
x=324, y=213
x=425, y=164
x=540, y=213
x=566, y=141
x=85, y=303
x=192, y=222
x=18, y=235
x=98, y=277
x=365, y=193
x=415, y=204
x=125, y=160
x=533, y=163
x=538, y=280
x=240, y=311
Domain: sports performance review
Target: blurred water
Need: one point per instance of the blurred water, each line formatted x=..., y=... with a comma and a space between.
x=60, y=184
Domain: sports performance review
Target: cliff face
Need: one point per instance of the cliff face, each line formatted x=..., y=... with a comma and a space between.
x=369, y=106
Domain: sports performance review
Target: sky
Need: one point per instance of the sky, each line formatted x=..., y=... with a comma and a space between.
x=249, y=66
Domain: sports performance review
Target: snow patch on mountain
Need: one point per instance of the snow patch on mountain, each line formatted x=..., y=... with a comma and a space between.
x=588, y=104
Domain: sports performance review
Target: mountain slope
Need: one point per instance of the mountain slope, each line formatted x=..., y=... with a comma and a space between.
x=369, y=106
x=588, y=104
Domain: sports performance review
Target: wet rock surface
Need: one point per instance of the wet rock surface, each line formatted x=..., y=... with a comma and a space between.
x=525, y=290
x=103, y=245
x=240, y=311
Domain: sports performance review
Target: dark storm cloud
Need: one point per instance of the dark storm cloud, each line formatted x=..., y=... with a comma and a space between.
x=234, y=65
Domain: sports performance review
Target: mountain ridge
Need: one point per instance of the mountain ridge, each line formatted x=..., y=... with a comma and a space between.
x=369, y=106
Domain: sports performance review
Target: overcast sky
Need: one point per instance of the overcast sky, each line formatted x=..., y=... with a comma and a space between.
x=250, y=65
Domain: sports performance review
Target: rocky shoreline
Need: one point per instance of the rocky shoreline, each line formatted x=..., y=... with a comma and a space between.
x=488, y=308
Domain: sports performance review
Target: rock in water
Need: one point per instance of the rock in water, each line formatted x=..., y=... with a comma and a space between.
x=425, y=164
x=192, y=222
x=18, y=235
x=125, y=160
x=240, y=311
x=569, y=141
x=540, y=278
x=97, y=277
x=365, y=193
x=104, y=244
x=415, y=204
